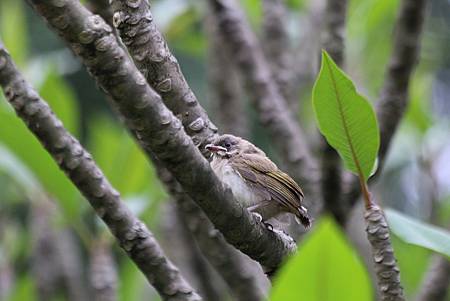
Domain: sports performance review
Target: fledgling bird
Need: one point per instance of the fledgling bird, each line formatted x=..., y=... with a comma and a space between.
x=255, y=180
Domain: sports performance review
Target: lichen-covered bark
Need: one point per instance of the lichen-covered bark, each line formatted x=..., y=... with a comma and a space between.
x=385, y=263
x=394, y=93
x=132, y=235
x=159, y=132
x=273, y=112
x=152, y=56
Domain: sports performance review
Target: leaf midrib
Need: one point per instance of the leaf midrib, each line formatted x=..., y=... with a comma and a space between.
x=344, y=123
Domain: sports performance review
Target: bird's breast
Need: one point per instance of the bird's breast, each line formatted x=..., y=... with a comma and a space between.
x=228, y=175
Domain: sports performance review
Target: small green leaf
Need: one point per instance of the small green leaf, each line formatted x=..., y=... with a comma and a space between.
x=346, y=118
x=418, y=233
x=325, y=268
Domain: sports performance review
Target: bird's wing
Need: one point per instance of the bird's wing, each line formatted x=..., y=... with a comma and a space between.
x=265, y=177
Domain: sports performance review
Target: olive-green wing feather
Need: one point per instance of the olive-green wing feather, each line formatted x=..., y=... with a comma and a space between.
x=266, y=178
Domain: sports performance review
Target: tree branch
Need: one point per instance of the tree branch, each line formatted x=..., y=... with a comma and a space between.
x=224, y=86
x=385, y=263
x=285, y=131
x=132, y=235
x=277, y=48
x=334, y=43
x=160, y=133
x=152, y=56
x=394, y=92
x=436, y=282
x=227, y=261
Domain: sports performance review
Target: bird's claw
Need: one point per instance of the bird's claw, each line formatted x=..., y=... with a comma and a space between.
x=258, y=216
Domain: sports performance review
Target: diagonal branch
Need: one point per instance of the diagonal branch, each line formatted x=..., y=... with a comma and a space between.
x=284, y=129
x=394, y=93
x=159, y=132
x=152, y=56
x=132, y=235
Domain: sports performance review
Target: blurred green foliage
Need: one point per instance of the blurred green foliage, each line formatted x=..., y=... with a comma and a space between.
x=326, y=268
x=27, y=172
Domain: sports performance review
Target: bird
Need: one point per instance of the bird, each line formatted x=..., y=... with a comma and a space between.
x=255, y=181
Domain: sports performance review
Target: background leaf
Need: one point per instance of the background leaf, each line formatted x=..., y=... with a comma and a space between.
x=324, y=268
x=345, y=118
x=418, y=233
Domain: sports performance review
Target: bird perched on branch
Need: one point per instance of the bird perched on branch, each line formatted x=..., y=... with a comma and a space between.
x=255, y=180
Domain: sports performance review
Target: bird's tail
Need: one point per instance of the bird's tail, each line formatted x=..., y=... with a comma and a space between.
x=302, y=217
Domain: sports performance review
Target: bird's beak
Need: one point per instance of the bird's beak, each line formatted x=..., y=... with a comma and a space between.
x=215, y=148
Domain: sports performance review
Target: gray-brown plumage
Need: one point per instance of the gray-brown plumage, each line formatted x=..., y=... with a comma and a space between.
x=255, y=180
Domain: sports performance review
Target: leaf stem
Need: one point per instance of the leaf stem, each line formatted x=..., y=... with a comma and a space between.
x=366, y=194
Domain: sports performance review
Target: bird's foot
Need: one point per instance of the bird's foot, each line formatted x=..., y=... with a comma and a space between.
x=258, y=216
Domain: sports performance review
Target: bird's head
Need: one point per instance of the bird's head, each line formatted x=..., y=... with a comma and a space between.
x=227, y=146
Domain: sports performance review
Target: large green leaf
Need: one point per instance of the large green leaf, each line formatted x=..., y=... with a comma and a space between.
x=418, y=233
x=346, y=118
x=324, y=268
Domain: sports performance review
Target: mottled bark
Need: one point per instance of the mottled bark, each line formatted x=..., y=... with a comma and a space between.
x=436, y=283
x=333, y=41
x=152, y=56
x=159, y=132
x=132, y=235
x=102, y=8
x=278, y=49
x=286, y=134
x=385, y=263
x=394, y=96
x=102, y=272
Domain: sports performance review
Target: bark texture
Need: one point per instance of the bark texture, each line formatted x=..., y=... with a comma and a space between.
x=333, y=41
x=274, y=114
x=385, y=263
x=394, y=96
x=132, y=235
x=159, y=132
x=152, y=56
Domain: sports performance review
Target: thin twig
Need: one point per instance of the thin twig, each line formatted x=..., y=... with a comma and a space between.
x=159, y=132
x=385, y=263
x=436, y=282
x=132, y=235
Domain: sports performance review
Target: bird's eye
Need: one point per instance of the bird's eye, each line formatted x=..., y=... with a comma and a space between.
x=228, y=145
